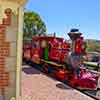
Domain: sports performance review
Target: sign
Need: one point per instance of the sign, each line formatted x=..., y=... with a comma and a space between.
x=98, y=41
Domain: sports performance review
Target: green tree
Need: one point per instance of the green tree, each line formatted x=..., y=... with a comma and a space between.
x=93, y=46
x=33, y=25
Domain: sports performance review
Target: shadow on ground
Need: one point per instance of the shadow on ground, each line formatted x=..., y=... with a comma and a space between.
x=30, y=71
x=63, y=86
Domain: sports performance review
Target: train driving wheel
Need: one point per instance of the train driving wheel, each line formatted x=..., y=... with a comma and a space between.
x=45, y=68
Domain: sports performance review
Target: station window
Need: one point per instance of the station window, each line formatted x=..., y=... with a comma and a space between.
x=43, y=44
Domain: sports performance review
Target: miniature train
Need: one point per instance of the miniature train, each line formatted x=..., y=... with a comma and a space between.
x=49, y=52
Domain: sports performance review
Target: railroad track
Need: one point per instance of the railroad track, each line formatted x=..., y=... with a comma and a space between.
x=93, y=94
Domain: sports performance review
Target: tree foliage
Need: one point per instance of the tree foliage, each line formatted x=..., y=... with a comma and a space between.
x=93, y=46
x=33, y=25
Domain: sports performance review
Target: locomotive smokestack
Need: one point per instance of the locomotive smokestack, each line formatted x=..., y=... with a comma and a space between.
x=74, y=34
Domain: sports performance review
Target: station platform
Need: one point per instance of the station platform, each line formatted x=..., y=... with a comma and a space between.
x=37, y=86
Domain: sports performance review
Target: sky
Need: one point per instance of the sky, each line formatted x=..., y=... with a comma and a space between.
x=62, y=15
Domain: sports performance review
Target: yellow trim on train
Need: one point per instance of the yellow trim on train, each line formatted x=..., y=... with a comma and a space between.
x=90, y=63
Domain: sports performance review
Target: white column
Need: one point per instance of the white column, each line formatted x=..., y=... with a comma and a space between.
x=19, y=53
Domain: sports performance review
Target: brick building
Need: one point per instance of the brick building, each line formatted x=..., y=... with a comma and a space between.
x=11, y=29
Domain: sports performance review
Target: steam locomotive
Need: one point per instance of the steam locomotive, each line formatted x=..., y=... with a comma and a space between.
x=57, y=56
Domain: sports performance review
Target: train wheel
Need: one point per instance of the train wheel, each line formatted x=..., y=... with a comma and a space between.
x=23, y=61
x=99, y=68
x=76, y=85
x=45, y=68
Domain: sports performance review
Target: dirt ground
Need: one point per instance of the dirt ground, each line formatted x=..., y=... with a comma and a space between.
x=36, y=86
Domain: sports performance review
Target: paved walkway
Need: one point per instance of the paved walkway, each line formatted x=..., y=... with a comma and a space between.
x=36, y=86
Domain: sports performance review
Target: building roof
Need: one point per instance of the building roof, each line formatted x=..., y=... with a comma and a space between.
x=21, y=2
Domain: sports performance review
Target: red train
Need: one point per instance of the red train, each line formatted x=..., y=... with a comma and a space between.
x=49, y=52
x=47, y=48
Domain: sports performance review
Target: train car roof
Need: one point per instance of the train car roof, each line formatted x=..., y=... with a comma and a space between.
x=46, y=38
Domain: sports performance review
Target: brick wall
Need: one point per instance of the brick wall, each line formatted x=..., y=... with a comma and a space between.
x=8, y=31
x=11, y=36
x=4, y=50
